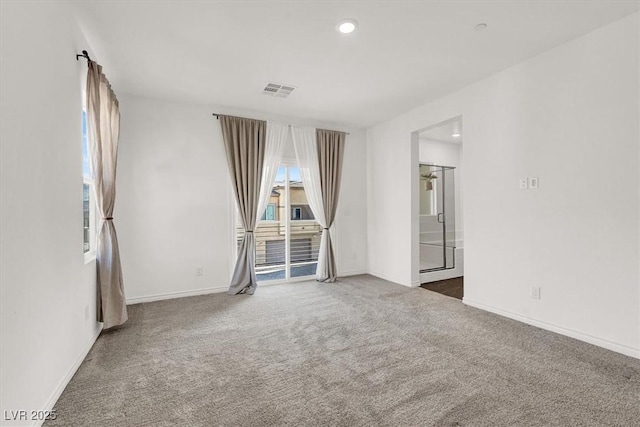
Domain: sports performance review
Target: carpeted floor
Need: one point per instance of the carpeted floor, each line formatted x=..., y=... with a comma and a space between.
x=359, y=352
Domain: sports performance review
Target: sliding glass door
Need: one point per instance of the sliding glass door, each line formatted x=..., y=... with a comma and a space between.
x=287, y=236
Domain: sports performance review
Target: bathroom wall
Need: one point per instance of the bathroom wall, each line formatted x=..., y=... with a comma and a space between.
x=443, y=154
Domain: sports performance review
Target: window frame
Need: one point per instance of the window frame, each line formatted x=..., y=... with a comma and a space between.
x=90, y=254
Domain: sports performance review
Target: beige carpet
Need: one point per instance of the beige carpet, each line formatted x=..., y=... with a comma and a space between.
x=359, y=352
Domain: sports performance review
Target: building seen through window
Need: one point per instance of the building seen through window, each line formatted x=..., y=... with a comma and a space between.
x=288, y=236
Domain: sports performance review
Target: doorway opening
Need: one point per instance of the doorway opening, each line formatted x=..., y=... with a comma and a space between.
x=438, y=187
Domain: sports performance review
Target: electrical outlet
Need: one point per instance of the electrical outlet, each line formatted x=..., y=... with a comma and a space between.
x=524, y=183
x=535, y=292
x=533, y=182
x=86, y=312
x=199, y=271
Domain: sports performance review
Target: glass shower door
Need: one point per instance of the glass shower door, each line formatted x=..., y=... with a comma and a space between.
x=437, y=218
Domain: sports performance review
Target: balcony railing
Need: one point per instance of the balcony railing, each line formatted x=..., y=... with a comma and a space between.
x=271, y=248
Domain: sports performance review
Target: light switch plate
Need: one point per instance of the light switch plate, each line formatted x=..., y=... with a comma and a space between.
x=533, y=182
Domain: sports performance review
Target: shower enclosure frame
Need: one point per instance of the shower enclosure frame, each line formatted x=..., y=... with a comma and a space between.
x=443, y=213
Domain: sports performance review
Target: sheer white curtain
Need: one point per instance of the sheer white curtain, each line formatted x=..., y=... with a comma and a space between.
x=306, y=147
x=275, y=143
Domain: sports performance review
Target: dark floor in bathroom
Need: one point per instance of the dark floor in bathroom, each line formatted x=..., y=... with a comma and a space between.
x=450, y=287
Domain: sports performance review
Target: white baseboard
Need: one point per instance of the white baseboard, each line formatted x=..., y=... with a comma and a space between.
x=218, y=289
x=65, y=381
x=609, y=345
x=388, y=279
x=351, y=273
x=179, y=294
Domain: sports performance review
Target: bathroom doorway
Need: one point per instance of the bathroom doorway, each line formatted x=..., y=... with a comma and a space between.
x=439, y=233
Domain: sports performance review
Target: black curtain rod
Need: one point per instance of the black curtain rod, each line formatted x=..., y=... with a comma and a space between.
x=84, y=55
x=217, y=116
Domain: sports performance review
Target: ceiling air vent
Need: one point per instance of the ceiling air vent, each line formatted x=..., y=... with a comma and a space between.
x=278, y=90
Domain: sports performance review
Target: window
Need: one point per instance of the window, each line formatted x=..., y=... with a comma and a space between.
x=86, y=216
x=300, y=212
x=296, y=214
x=88, y=203
x=270, y=213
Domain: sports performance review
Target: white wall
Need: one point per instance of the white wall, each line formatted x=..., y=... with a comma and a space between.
x=45, y=284
x=569, y=116
x=174, y=209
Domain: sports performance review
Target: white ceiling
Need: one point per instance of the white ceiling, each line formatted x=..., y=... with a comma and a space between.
x=404, y=54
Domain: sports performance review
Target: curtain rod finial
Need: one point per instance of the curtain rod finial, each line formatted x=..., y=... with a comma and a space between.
x=85, y=55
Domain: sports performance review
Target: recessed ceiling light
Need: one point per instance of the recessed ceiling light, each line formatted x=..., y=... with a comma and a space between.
x=455, y=135
x=481, y=26
x=347, y=26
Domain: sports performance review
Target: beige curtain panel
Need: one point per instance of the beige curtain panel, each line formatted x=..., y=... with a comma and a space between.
x=244, y=143
x=103, y=125
x=330, y=157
